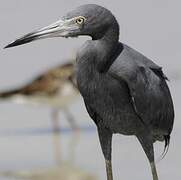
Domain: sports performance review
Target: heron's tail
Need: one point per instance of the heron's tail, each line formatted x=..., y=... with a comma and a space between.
x=167, y=143
x=8, y=94
x=166, y=147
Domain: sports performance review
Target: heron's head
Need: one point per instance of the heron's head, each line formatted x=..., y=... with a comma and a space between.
x=90, y=19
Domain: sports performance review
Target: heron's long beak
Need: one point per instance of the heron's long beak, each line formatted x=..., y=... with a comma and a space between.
x=61, y=28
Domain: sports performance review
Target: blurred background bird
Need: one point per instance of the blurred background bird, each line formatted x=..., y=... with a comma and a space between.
x=55, y=88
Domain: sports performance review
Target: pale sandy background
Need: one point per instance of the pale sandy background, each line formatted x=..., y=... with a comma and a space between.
x=151, y=26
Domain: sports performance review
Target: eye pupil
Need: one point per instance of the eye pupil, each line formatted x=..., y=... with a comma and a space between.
x=80, y=20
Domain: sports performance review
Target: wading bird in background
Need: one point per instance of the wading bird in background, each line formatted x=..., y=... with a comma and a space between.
x=124, y=92
x=55, y=88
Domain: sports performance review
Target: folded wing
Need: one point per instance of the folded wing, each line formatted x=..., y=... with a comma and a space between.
x=148, y=89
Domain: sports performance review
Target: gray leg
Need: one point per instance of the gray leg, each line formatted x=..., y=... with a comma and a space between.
x=56, y=136
x=146, y=141
x=71, y=120
x=72, y=147
x=109, y=170
x=154, y=172
x=54, y=115
x=105, y=138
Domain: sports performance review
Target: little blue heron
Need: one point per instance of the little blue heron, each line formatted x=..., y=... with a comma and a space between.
x=124, y=92
x=54, y=88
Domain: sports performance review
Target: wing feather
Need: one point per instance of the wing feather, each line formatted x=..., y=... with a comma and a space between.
x=148, y=89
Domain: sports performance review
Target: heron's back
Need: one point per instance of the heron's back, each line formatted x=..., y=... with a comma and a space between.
x=148, y=87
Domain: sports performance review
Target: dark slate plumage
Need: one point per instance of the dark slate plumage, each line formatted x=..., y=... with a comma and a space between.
x=124, y=92
x=147, y=82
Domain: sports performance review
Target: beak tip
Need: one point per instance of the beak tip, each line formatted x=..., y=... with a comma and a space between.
x=6, y=47
x=10, y=45
x=15, y=43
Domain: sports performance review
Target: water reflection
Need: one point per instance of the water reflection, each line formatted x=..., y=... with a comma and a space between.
x=64, y=169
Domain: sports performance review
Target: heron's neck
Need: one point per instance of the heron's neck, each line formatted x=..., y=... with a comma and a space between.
x=110, y=48
x=98, y=54
x=111, y=36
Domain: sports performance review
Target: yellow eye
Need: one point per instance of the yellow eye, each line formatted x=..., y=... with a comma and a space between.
x=80, y=20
